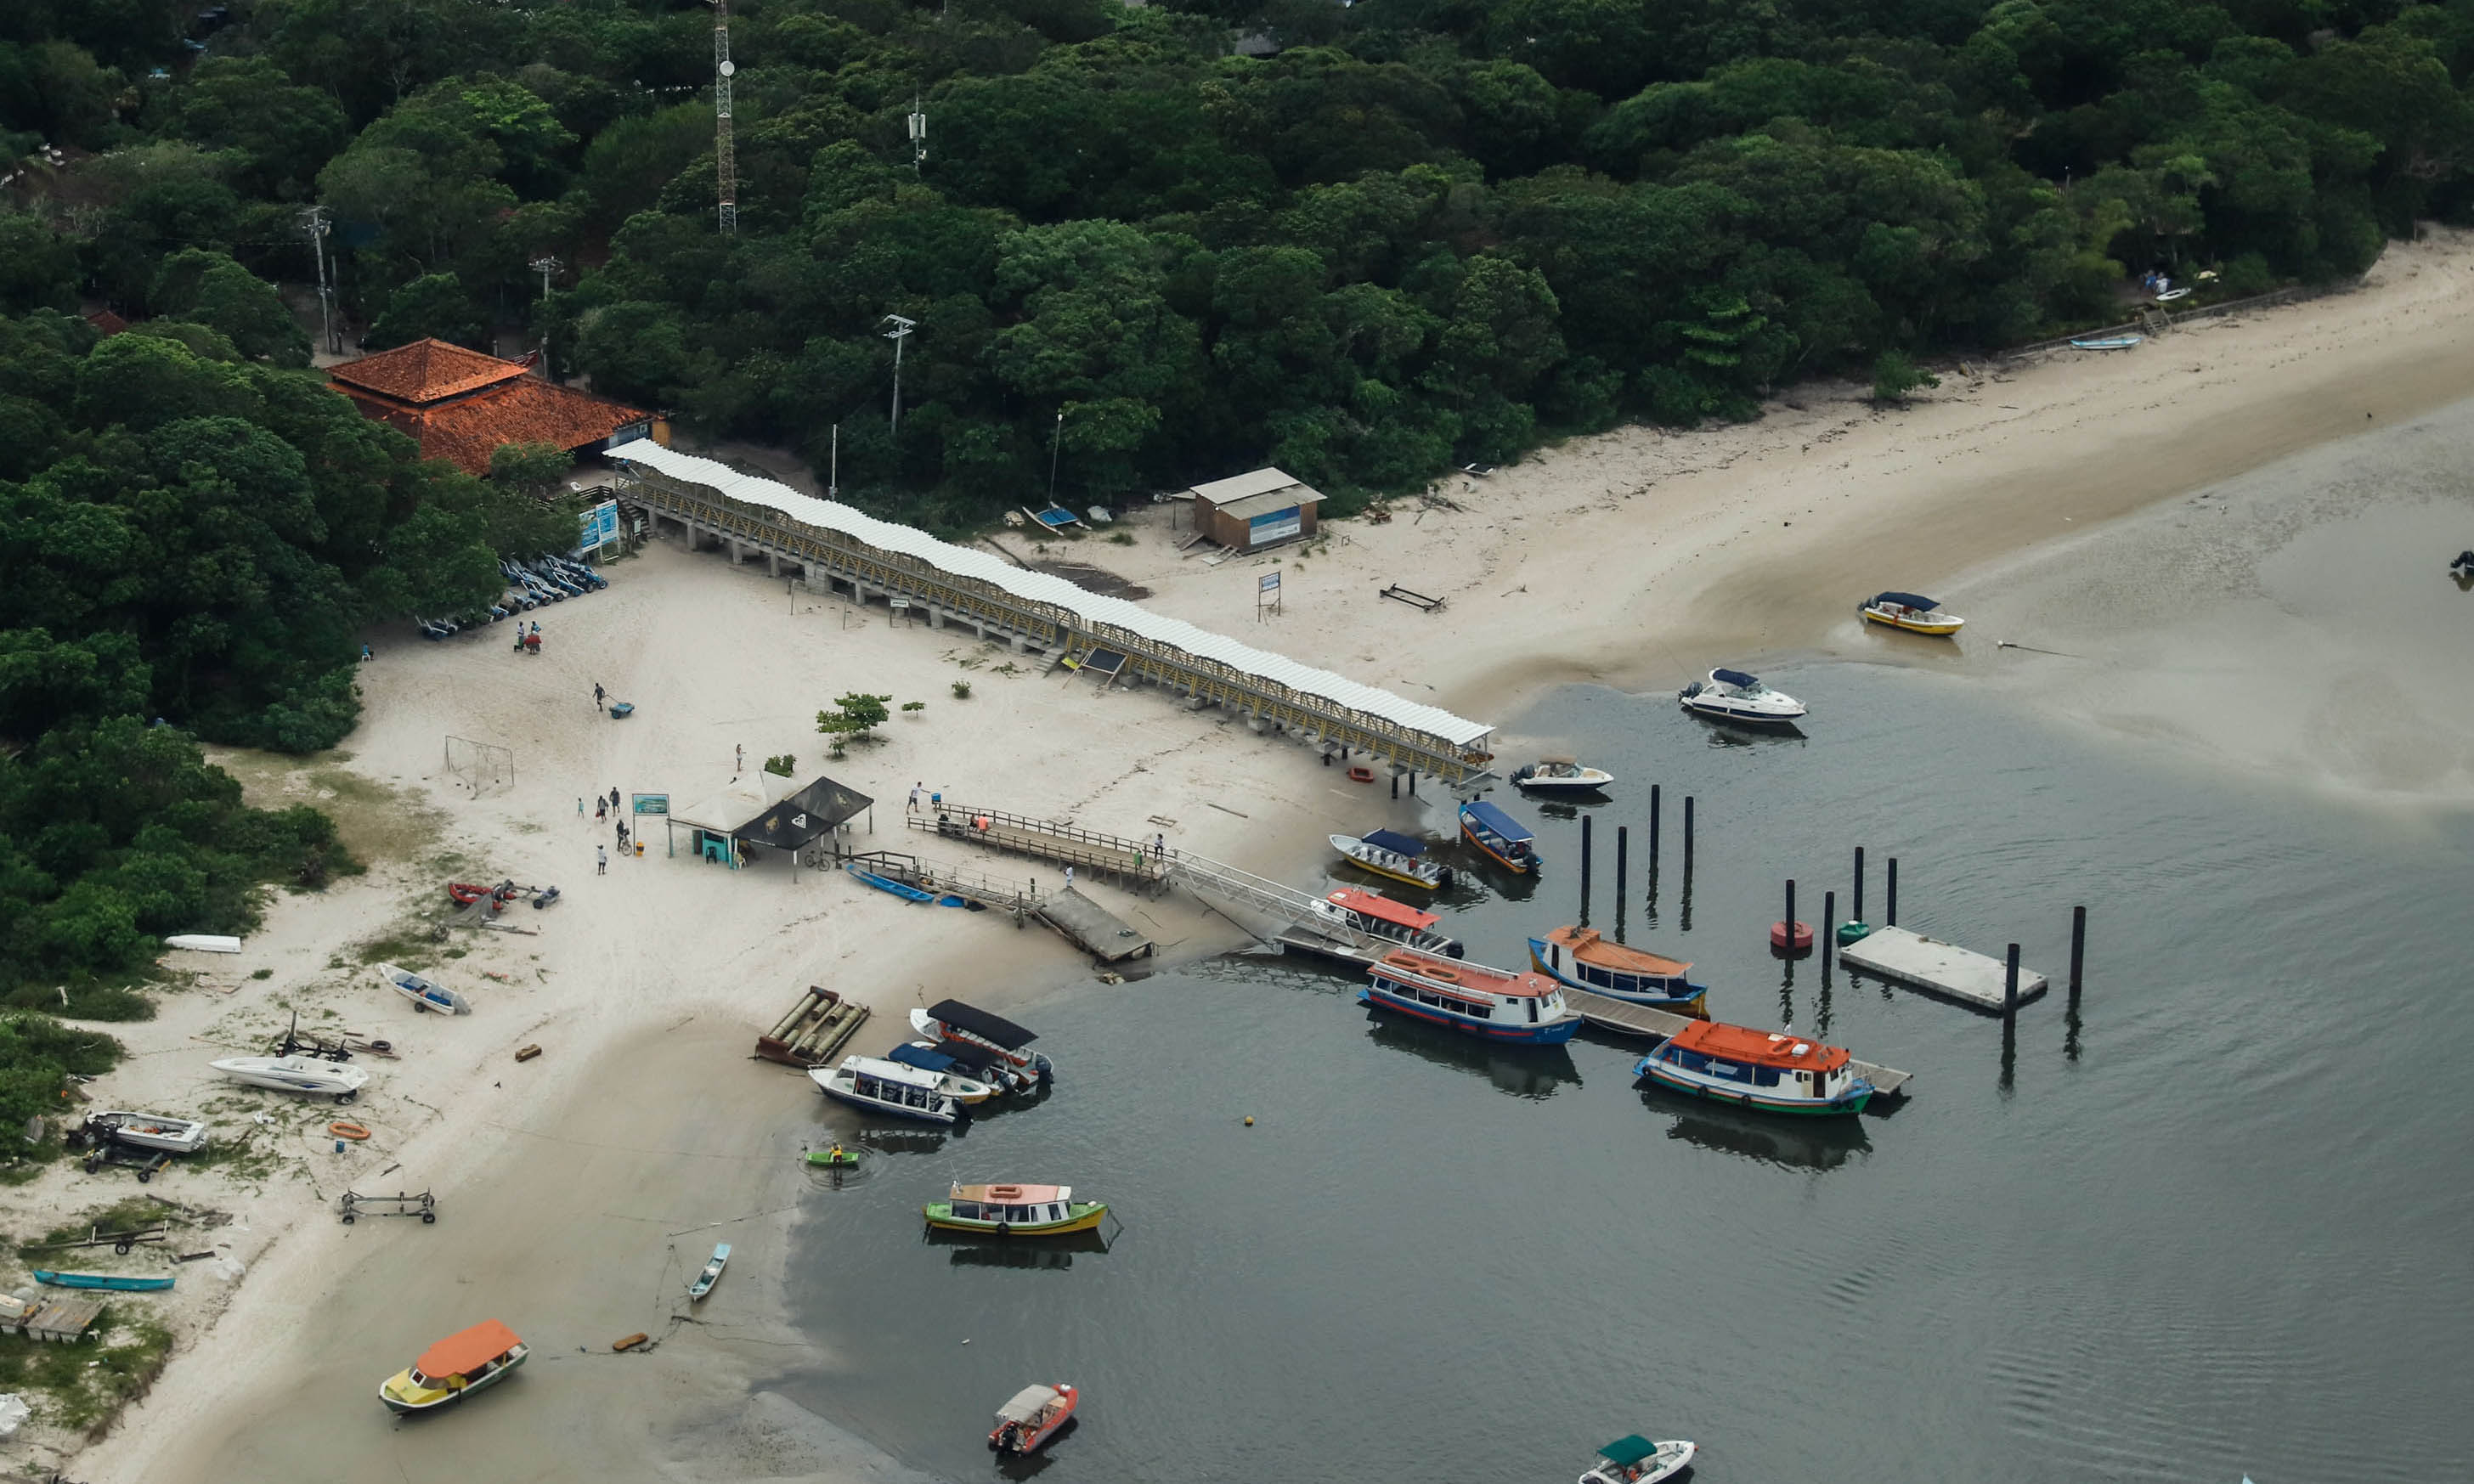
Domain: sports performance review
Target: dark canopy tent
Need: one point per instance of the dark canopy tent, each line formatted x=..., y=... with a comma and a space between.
x=980, y=1023
x=1397, y=844
x=797, y=819
x=1915, y=600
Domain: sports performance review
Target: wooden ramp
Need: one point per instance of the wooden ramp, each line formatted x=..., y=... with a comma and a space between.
x=1096, y=930
x=1944, y=969
x=1651, y=1023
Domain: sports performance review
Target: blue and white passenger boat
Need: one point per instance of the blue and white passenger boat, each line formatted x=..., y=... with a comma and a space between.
x=1772, y=1070
x=1504, y=839
x=889, y=1087
x=1579, y=959
x=1525, y=1009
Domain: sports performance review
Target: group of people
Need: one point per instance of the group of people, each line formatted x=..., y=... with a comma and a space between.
x=603, y=807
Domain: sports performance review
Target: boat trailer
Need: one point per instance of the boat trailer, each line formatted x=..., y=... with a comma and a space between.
x=293, y=1043
x=118, y=1241
x=1417, y=600
x=352, y=1205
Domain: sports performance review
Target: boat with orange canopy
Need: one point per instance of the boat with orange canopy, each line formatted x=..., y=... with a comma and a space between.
x=455, y=1368
x=1580, y=958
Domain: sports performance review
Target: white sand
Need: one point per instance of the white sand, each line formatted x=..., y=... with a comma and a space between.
x=581, y=1188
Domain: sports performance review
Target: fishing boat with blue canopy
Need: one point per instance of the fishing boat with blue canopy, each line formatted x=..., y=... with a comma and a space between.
x=1914, y=612
x=952, y=1077
x=1504, y=839
x=1579, y=958
x=1399, y=857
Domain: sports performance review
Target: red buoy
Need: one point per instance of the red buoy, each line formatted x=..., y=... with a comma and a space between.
x=1802, y=936
x=1361, y=775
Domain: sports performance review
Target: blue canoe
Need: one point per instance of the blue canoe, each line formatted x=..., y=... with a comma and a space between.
x=117, y=1284
x=889, y=884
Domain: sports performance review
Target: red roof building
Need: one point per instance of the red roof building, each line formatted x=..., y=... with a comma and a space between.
x=461, y=406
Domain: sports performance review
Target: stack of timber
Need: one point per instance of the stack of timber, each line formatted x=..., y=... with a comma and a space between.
x=814, y=1029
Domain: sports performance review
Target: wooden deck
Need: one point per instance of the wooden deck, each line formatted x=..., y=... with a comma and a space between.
x=60, y=1320
x=1942, y=969
x=1651, y=1023
x=1066, y=844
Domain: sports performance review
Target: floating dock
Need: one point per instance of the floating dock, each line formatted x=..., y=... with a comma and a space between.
x=1097, y=931
x=814, y=1029
x=1625, y=1018
x=1941, y=968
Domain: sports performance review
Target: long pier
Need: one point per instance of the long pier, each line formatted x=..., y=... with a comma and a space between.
x=1625, y=1018
x=1131, y=860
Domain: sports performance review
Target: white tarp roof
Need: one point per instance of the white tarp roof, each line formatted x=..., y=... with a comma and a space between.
x=1043, y=588
x=1261, y=481
x=741, y=800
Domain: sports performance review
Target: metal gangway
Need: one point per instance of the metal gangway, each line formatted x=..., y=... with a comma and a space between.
x=1303, y=926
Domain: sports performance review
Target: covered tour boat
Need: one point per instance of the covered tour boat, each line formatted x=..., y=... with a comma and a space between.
x=1764, y=1069
x=1910, y=611
x=1014, y=1210
x=1636, y=1460
x=455, y=1368
x=1580, y=958
x=1376, y=915
x=951, y=1020
x=1389, y=853
x=889, y=1087
x=1504, y=839
x=1559, y=775
x=1032, y=1417
x=1522, y=1008
x=1732, y=696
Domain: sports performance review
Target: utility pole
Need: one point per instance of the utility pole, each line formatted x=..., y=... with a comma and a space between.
x=833, y=470
x=725, y=160
x=545, y=265
x=313, y=221
x=918, y=134
x=900, y=332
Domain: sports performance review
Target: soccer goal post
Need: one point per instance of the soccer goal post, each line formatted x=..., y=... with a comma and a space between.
x=479, y=764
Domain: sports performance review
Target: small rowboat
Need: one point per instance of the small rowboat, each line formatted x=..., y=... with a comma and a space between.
x=105, y=1280
x=2108, y=343
x=423, y=993
x=1910, y=611
x=712, y=1272
x=833, y=1158
x=1032, y=1417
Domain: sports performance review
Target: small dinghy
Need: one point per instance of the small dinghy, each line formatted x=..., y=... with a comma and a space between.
x=833, y=1158
x=204, y=942
x=1732, y=696
x=1559, y=775
x=1389, y=853
x=423, y=993
x=2108, y=343
x=296, y=1074
x=1910, y=611
x=712, y=1274
x=149, y=1131
x=1032, y=1417
x=2462, y=567
x=1636, y=1460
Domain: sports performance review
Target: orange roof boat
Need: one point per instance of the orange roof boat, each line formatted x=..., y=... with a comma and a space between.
x=1589, y=947
x=1579, y=959
x=1374, y=905
x=1759, y=1048
x=469, y=1349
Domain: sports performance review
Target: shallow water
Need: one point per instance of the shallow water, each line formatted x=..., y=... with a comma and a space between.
x=2216, y=1224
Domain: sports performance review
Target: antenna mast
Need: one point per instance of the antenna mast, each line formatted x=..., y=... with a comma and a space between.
x=725, y=162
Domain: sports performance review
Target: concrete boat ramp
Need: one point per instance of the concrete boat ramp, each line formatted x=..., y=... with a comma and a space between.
x=1625, y=1018
x=1947, y=969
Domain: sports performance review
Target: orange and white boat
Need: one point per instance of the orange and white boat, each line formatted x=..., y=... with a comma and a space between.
x=1376, y=915
x=1032, y=1417
x=1774, y=1070
x=1580, y=958
x=465, y=1362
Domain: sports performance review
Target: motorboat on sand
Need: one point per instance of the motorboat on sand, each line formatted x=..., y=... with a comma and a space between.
x=310, y=1075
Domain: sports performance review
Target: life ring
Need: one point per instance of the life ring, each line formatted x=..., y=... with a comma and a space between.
x=346, y=1131
x=1361, y=775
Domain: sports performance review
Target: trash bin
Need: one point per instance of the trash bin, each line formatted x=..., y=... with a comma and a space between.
x=640, y=850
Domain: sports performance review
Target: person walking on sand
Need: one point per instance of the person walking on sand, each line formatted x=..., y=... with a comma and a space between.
x=614, y=795
x=739, y=759
x=600, y=811
x=602, y=856
x=366, y=656
x=915, y=794
x=579, y=806
x=1069, y=878
x=597, y=693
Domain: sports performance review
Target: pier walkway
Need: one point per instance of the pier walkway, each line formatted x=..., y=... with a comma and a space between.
x=1941, y=968
x=1625, y=1018
x=1130, y=861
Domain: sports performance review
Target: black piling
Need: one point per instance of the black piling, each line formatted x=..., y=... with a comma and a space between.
x=1624, y=859
x=1413, y=783
x=1789, y=919
x=1585, y=867
x=1856, y=913
x=1653, y=823
x=2010, y=985
x=1890, y=894
x=2078, y=949
x=1684, y=917
x=1828, y=936
x=1688, y=832
x=1395, y=786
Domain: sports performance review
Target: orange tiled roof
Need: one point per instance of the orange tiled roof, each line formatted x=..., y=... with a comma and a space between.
x=527, y=410
x=425, y=371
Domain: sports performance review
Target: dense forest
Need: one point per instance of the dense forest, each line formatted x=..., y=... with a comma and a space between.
x=1155, y=243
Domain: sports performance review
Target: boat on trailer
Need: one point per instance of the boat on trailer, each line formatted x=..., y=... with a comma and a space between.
x=1032, y=1417
x=1389, y=853
x=889, y=1087
x=1502, y=838
x=1914, y=612
x=149, y=1131
x=1636, y=1460
x=423, y=993
x=1735, y=695
x=1559, y=775
x=1579, y=958
x=1773, y=1070
x=947, y=1072
x=475, y=1359
x=951, y=1020
x=1376, y=915
x=1014, y=1210
x=1523, y=1009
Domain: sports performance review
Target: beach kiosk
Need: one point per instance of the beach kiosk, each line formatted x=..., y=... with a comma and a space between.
x=1252, y=511
x=764, y=810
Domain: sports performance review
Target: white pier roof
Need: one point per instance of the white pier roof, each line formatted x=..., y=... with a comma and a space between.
x=1044, y=587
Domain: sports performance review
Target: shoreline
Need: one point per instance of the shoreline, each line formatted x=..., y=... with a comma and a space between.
x=1761, y=536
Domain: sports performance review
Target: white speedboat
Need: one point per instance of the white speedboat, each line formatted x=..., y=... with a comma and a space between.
x=150, y=1130
x=423, y=993
x=1636, y=1460
x=1559, y=775
x=296, y=1074
x=1731, y=696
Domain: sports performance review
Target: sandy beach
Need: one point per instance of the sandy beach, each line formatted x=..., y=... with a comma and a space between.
x=579, y=1190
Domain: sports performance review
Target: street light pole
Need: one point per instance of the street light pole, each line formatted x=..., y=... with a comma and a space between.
x=1056, y=442
x=900, y=332
x=545, y=265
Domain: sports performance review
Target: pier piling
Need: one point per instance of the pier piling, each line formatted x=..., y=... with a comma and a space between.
x=1829, y=931
x=1890, y=894
x=1623, y=863
x=1688, y=832
x=1395, y=786
x=1855, y=912
x=2078, y=950
x=1653, y=822
x=1585, y=867
x=1789, y=919
x=2010, y=985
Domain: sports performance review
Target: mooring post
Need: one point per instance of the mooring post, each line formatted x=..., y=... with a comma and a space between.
x=1413, y=783
x=1855, y=912
x=2010, y=984
x=1688, y=832
x=1623, y=861
x=1652, y=821
x=1395, y=786
x=1790, y=915
x=1890, y=891
x=1585, y=867
x=2078, y=948
x=1829, y=923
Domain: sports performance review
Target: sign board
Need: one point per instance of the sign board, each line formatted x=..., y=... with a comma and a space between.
x=1278, y=526
x=600, y=527
x=1266, y=593
x=650, y=803
x=1271, y=580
